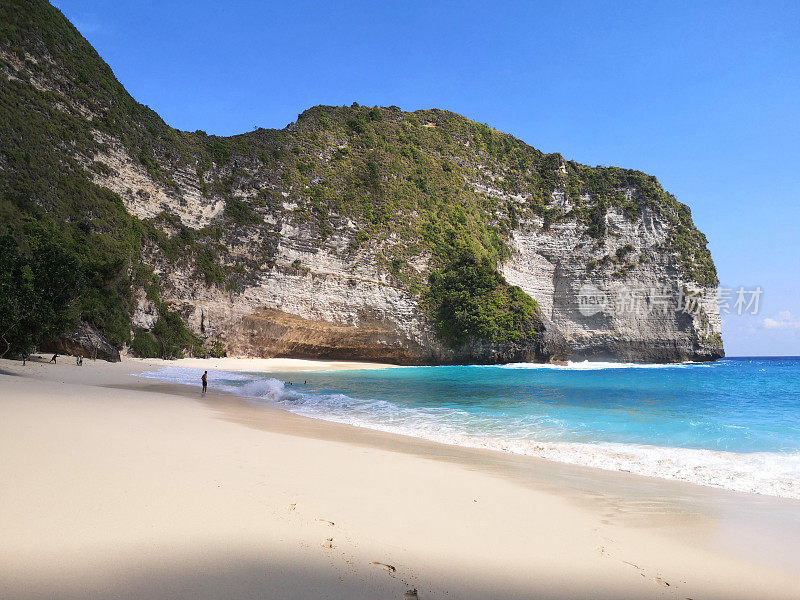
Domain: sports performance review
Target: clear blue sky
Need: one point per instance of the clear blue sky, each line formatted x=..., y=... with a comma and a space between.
x=704, y=95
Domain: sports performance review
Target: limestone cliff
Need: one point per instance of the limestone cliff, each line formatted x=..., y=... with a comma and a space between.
x=323, y=239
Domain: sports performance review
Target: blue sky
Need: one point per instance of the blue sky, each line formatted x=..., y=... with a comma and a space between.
x=704, y=95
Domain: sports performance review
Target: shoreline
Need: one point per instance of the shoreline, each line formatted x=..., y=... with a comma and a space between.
x=718, y=469
x=477, y=505
x=266, y=365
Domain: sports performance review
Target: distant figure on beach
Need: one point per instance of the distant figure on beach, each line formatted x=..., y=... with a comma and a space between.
x=53, y=360
x=24, y=358
x=204, y=379
x=79, y=361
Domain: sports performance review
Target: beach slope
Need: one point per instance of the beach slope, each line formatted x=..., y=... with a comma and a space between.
x=116, y=486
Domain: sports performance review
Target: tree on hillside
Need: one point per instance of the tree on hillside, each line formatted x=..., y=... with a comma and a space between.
x=37, y=294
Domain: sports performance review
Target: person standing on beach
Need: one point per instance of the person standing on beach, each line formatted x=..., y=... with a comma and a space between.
x=204, y=379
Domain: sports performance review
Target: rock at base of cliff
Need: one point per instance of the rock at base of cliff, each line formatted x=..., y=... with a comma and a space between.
x=86, y=341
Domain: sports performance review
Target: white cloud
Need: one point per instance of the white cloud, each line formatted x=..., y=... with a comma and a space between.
x=785, y=320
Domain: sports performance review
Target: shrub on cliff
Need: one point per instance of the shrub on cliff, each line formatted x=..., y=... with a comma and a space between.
x=169, y=338
x=239, y=212
x=145, y=345
x=468, y=298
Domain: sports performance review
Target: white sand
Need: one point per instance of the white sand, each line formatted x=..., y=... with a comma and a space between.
x=118, y=487
x=283, y=365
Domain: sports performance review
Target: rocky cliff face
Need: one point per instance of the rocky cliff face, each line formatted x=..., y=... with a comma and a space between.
x=648, y=310
x=319, y=240
x=347, y=307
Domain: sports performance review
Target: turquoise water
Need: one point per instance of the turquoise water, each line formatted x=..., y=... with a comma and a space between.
x=734, y=423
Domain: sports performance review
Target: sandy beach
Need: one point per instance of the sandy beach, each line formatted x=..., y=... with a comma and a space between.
x=115, y=486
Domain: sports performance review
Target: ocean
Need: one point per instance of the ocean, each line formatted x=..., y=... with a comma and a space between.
x=733, y=424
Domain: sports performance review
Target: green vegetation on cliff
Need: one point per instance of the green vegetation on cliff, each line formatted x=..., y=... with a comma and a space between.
x=169, y=337
x=469, y=298
x=38, y=290
x=428, y=187
x=45, y=193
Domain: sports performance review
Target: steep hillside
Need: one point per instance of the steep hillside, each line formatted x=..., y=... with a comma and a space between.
x=355, y=232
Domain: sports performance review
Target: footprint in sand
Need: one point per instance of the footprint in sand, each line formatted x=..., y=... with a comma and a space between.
x=327, y=543
x=411, y=594
x=326, y=522
x=661, y=581
x=291, y=507
x=389, y=568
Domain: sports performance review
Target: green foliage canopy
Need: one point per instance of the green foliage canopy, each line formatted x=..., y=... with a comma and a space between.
x=469, y=298
x=37, y=294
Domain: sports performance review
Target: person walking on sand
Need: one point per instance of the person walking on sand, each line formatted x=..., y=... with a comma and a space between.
x=53, y=360
x=204, y=379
